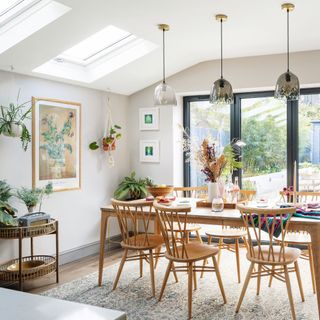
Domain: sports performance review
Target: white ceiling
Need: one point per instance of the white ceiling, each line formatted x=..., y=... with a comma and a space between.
x=254, y=28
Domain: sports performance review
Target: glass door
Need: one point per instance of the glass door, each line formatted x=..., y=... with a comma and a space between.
x=264, y=130
x=309, y=142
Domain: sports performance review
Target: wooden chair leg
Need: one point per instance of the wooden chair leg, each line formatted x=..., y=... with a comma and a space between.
x=141, y=264
x=123, y=260
x=190, y=274
x=245, y=286
x=153, y=285
x=187, y=235
x=165, y=279
x=198, y=236
x=205, y=262
x=220, y=249
x=238, y=259
x=174, y=273
x=216, y=267
x=158, y=250
x=313, y=278
x=286, y=274
x=271, y=276
x=296, y=266
x=259, y=279
x=195, y=277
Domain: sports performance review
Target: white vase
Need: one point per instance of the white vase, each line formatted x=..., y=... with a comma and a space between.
x=15, y=130
x=213, y=191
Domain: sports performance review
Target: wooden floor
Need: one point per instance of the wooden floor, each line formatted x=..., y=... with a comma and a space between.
x=71, y=271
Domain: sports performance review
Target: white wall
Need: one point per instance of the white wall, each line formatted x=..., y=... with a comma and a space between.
x=245, y=74
x=78, y=211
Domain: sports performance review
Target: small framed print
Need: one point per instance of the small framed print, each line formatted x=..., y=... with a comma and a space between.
x=149, y=151
x=149, y=118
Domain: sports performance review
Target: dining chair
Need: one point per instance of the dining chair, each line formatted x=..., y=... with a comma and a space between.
x=181, y=252
x=190, y=192
x=274, y=258
x=135, y=237
x=233, y=235
x=302, y=238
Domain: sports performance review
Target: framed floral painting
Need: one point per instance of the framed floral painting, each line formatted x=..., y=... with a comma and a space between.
x=56, y=141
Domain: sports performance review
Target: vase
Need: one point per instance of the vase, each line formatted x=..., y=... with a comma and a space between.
x=31, y=209
x=213, y=191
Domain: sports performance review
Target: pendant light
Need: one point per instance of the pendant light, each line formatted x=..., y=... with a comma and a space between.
x=163, y=94
x=287, y=86
x=221, y=91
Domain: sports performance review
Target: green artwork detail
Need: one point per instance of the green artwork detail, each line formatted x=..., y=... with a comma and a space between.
x=148, y=118
x=149, y=151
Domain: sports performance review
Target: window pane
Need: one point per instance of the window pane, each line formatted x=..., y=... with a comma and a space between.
x=309, y=142
x=264, y=130
x=206, y=121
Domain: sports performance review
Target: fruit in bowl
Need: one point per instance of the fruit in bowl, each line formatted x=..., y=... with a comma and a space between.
x=161, y=190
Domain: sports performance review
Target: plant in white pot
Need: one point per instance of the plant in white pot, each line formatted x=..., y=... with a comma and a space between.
x=12, y=120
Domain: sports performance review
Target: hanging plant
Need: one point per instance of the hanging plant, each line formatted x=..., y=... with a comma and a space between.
x=108, y=141
x=12, y=122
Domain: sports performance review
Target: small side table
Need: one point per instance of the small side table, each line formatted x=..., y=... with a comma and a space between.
x=43, y=264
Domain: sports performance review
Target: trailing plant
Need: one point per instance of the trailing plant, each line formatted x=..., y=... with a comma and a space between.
x=131, y=188
x=109, y=140
x=7, y=213
x=12, y=121
x=5, y=191
x=32, y=196
x=54, y=138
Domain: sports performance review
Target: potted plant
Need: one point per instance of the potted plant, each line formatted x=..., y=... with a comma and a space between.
x=12, y=122
x=108, y=142
x=55, y=143
x=131, y=188
x=31, y=197
x=7, y=213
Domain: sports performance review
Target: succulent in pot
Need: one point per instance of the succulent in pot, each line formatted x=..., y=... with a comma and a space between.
x=12, y=121
x=131, y=188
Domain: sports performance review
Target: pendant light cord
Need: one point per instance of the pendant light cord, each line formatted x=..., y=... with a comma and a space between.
x=288, y=61
x=163, y=58
x=221, y=49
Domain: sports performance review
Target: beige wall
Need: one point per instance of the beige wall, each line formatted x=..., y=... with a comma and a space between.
x=245, y=74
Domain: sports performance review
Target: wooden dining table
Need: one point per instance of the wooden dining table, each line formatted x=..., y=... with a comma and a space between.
x=228, y=217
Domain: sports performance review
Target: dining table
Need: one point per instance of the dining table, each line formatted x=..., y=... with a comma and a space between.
x=227, y=217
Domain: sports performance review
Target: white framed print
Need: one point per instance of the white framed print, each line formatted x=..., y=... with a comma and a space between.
x=149, y=118
x=149, y=151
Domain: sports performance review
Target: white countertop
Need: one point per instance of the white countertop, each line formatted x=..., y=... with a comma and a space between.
x=16, y=305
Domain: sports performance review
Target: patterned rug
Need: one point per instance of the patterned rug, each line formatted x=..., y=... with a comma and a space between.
x=133, y=294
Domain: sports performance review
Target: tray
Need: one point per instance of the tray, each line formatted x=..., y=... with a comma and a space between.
x=227, y=205
x=45, y=265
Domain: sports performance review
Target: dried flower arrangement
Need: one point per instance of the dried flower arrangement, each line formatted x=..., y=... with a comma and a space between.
x=212, y=165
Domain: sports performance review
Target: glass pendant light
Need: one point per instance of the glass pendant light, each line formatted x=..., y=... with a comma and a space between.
x=287, y=86
x=221, y=91
x=163, y=94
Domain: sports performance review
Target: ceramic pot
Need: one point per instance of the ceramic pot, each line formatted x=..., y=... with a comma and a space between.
x=15, y=131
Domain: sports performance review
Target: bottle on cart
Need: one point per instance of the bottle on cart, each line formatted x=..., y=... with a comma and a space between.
x=236, y=190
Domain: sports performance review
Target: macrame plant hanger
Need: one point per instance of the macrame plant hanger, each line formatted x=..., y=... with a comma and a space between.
x=109, y=125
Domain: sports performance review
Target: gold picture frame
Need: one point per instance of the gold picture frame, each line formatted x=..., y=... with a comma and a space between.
x=56, y=143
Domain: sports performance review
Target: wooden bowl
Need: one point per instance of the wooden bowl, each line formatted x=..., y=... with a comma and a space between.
x=160, y=191
x=25, y=265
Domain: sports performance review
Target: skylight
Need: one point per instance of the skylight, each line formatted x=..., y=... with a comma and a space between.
x=100, y=54
x=21, y=18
